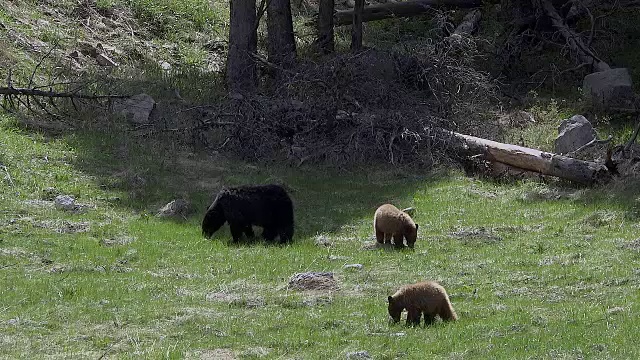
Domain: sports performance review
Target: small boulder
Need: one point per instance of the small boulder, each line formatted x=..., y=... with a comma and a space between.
x=178, y=208
x=354, y=266
x=610, y=88
x=65, y=202
x=573, y=133
x=358, y=355
x=136, y=109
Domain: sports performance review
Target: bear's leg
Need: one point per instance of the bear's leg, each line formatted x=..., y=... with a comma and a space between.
x=429, y=319
x=269, y=234
x=380, y=236
x=398, y=240
x=413, y=317
x=248, y=230
x=387, y=238
x=286, y=234
x=236, y=231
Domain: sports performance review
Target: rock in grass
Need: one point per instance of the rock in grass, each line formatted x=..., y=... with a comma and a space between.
x=354, y=266
x=178, y=208
x=66, y=203
x=357, y=355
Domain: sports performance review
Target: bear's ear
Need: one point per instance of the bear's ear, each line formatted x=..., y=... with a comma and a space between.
x=416, y=227
x=390, y=299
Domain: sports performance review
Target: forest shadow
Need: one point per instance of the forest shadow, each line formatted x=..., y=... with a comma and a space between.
x=143, y=174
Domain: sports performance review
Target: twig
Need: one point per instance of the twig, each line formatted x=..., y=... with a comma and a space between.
x=635, y=135
x=589, y=144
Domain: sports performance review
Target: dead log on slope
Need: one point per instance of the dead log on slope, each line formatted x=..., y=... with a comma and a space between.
x=400, y=9
x=583, y=172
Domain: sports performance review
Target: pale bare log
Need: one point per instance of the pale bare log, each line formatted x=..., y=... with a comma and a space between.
x=584, y=172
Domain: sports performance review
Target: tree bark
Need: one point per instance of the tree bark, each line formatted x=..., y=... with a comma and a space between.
x=241, y=68
x=400, y=9
x=356, y=28
x=282, y=44
x=583, y=172
x=325, y=41
x=583, y=52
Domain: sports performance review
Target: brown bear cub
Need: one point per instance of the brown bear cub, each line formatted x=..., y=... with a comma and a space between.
x=428, y=298
x=389, y=221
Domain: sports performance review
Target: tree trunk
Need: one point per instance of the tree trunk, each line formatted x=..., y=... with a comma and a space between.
x=580, y=171
x=356, y=28
x=400, y=9
x=241, y=68
x=282, y=44
x=325, y=41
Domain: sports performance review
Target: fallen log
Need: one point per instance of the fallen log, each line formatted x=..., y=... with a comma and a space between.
x=400, y=9
x=580, y=171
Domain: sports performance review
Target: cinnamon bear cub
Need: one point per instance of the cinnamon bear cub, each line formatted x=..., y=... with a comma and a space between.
x=428, y=298
x=389, y=221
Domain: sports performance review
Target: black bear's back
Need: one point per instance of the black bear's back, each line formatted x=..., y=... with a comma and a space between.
x=261, y=205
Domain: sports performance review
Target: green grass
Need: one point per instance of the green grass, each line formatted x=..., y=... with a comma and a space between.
x=533, y=270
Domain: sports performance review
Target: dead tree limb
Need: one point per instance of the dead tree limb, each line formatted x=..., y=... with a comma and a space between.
x=469, y=23
x=583, y=172
x=11, y=91
x=575, y=43
x=400, y=9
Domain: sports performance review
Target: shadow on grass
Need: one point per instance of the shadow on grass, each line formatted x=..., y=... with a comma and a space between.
x=144, y=174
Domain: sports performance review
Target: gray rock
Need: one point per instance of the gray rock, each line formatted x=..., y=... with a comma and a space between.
x=176, y=208
x=354, y=266
x=65, y=202
x=358, y=355
x=573, y=133
x=136, y=109
x=610, y=88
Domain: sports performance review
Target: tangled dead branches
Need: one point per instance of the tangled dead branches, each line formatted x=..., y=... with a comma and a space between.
x=373, y=106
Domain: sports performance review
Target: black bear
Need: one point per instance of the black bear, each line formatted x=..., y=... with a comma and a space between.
x=268, y=206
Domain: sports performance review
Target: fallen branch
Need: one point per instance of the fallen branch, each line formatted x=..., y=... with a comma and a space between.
x=11, y=91
x=589, y=144
x=400, y=9
x=469, y=23
x=583, y=172
x=575, y=43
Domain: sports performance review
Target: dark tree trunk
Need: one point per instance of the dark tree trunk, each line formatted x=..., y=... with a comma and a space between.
x=241, y=67
x=356, y=27
x=282, y=44
x=325, y=27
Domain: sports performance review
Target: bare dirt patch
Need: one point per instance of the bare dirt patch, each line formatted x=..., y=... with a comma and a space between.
x=215, y=354
x=313, y=281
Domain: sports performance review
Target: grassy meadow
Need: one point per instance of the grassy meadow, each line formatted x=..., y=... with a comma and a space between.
x=534, y=270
